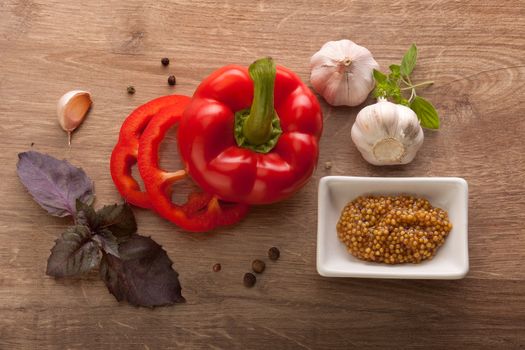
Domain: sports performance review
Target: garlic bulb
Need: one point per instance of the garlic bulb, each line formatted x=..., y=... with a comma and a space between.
x=72, y=108
x=386, y=133
x=342, y=72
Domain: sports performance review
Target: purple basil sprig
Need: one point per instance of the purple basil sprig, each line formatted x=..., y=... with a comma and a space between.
x=134, y=268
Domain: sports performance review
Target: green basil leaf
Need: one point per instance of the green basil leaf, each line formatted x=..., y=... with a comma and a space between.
x=395, y=68
x=426, y=113
x=409, y=61
x=394, y=75
x=379, y=76
x=378, y=92
x=404, y=102
x=399, y=99
x=394, y=92
x=382, y=89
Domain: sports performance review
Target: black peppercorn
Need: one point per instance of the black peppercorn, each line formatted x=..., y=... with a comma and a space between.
x=249, y=279
x=274, y=253
x=258, y=266
x=131, y=90
x=165, y=61
x=171, y=80
x=216, y=267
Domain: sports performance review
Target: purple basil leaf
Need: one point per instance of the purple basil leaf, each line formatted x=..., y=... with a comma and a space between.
x=143, y=276
x=74, y=253
x=85, y=215
x=107, y=242
x=54, y=184
x=115, y=222
x=117, y=218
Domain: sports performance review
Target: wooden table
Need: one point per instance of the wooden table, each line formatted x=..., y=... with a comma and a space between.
x=473, y=50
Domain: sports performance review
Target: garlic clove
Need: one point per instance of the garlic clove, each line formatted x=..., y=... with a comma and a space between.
x=72, y=108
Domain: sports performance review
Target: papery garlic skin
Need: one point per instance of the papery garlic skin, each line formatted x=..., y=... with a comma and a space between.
x=72, y=108
x=387, y=133
x=342, y=72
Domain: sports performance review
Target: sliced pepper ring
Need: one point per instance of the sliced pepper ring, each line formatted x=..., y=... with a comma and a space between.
x=202, y=211
x=125, y=153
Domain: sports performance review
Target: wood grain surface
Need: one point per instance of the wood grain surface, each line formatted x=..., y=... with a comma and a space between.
x=473, y=50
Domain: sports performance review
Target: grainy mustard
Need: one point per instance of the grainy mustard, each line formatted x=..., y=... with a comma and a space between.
x=393, y=229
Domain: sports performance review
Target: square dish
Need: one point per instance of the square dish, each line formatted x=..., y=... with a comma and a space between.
x=448, y=193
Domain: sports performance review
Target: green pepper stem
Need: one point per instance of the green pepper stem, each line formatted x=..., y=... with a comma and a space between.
x=257, y=128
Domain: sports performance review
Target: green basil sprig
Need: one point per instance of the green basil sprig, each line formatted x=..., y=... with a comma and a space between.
x=397, y=83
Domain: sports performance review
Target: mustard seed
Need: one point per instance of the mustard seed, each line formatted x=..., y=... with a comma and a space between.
x=393, y=229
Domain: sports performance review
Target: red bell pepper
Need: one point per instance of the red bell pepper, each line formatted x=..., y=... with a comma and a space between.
x=124, y=154
x=251, y=135
x=202, y=211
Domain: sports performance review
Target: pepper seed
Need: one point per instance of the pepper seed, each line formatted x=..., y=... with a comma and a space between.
x=258, y=266
x=249, y=280
x=274, y=253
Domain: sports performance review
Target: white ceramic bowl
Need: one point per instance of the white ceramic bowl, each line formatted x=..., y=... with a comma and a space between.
x=448, y=193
